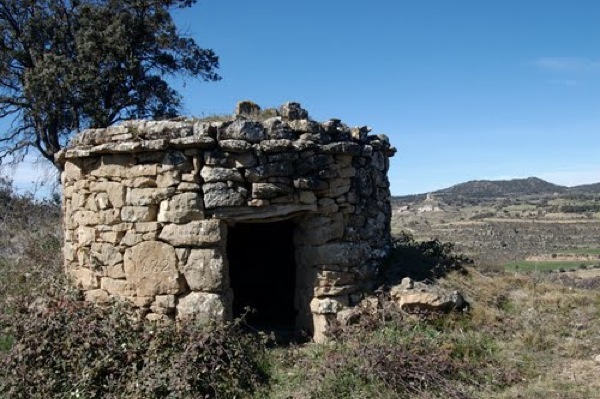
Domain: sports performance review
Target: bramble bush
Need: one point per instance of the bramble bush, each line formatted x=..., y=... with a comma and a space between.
x=54, y=345
x=65, y=347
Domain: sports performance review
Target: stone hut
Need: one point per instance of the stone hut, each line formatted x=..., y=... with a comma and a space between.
x=285, y=215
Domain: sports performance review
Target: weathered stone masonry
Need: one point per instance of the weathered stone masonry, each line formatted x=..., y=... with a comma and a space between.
x=148, y=205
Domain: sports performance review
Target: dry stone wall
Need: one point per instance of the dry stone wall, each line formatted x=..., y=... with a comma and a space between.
x=148, y=204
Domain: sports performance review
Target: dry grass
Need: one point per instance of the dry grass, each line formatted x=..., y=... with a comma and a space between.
x=526, y=336
x=550, y=326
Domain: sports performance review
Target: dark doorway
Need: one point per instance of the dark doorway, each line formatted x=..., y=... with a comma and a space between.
x=262, y=270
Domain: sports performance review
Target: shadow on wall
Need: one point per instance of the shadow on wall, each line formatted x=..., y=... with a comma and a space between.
x=421, y=260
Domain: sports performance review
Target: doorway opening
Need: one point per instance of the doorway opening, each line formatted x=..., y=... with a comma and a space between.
x=262, y=271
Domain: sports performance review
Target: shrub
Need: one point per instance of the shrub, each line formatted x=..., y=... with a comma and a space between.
x=422, y=260
x=30, y=241
x=389, y=354
x=64, y=347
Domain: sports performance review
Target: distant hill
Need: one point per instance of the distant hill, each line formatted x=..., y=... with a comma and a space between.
x=488, y=189
x=586, y=188
x=503, y=188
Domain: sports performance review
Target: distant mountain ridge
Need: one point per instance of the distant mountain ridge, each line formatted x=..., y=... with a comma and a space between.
x=479, y=189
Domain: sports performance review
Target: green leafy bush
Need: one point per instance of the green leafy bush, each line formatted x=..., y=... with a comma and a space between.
x=65, y=347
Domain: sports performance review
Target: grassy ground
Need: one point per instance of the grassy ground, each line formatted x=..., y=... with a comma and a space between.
x=547, y=265
x=527, y=334
x=525, y=337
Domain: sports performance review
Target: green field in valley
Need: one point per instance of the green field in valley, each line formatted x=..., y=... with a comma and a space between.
x=547, y=265
x=581, y=251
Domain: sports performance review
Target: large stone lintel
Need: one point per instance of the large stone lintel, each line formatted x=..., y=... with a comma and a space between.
x=268, y=213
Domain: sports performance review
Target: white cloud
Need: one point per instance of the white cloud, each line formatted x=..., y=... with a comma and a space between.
x=568, y=64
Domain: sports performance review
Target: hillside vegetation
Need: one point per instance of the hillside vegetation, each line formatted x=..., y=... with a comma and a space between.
x=524, y=335
x=506, y=222
x=479, y=190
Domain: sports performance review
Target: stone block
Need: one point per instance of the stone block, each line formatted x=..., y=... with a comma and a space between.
x=204, y=271
x=270, y=190
x=149, y=227
x=261, y=172
x=328, y=305
x=106, y=254
x=114, y=271
x=148, y=196
x=335, y=290
x=320, y=324
x=327, y=206
x=110, y=237
x=113, y=166
x=330, y=278
x=259, y=202
x=307, y=197
x=181, y=208
x=71, y=173
x=319, y=230
x=115, y=192
x=85, y=235
x=101, y=201
x=243, y=160
x=280, y=145
x=142, y=171
x=235, y=146
x=109, y=217
x=169, y=178
x=139, y=182
x=339, y=253
x=138, y=213
x=132, y=238
x=83, y=257
x=250, y=131
x=211, y=174
x=97, y=296
x=315, y=163
x=120, y=288
x=292, y=111
x=141, y=301
x=310, y=183
x=222, y=194
x=163, y=304
x=201, y=233
x=187, y=187
x=68, y=251
x=277, y=129
x=85, y=218
x=206, y=307
x=84, y=279
x=190, y=178
x=68, y=192
x=79, y=199
x=151, y=267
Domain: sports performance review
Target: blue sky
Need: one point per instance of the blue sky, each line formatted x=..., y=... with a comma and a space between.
x=465, y=89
